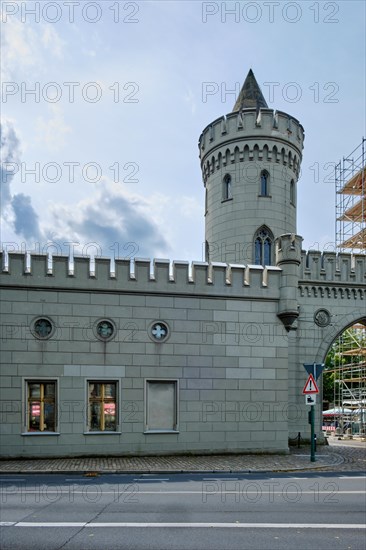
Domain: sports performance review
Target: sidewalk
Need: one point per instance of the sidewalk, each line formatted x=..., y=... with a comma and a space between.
x=328, y=458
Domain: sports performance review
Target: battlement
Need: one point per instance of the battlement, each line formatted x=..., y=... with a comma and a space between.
x=177, y=277
x=330, y=266
x=39, y=271
x=269, y=135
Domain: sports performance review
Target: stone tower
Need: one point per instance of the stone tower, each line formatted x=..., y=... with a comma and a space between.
x=250, y=162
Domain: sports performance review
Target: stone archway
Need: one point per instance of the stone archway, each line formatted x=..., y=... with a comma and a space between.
x=336, y=330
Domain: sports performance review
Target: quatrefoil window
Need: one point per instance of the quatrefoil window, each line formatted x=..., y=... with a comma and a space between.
x=42, y=328
x=105, y=330
x=159, y=331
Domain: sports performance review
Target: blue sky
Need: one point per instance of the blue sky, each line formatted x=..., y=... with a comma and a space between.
x=115, y=153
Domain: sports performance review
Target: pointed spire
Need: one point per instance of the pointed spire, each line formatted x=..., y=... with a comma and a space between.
x=250, y=96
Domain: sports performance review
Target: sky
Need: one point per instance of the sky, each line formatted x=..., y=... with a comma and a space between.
x=103, y=103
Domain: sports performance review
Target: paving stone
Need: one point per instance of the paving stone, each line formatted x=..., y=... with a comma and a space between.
x=328, y=458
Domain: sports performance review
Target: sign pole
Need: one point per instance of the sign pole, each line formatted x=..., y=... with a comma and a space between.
x=310, y=390
x=312, y=419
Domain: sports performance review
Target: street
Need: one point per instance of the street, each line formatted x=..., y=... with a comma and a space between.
x=184, y=511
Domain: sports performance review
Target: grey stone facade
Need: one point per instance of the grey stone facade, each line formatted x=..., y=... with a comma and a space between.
x=227, y=374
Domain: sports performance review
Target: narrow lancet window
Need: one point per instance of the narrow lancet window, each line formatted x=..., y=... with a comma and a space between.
x=263, y=245
x=227, y=189
x=264, y=188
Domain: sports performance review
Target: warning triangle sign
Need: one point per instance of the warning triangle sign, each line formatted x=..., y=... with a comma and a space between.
x=310, y=386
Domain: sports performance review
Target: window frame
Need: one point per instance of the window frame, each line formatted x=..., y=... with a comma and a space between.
x=103, y=381
x=207, y=252
x=36, y=334
x=265, y=186
x=26, y=382
x=258, y=236
x=227, y=188
x=175, y=429
x=292, y=192
x=98, y=335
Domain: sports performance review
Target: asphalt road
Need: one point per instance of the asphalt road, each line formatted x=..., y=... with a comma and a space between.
x=184, y=511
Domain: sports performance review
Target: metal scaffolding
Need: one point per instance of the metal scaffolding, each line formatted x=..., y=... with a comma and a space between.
x=349, y=368
x=350, y=179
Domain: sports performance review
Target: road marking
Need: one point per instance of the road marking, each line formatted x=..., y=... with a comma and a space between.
x=10, y=479
x=151, y=479
x=356, y=477
x=188, y=525
x=159, y=492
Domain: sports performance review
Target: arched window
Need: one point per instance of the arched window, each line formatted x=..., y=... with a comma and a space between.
x=292, y=192
x=226, y=189
x=264, y=189
x=207, y=252
x=206, y=202
x=263, y=244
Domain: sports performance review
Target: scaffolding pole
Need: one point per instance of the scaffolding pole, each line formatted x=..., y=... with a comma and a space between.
x=350, y=180
x=350, y=379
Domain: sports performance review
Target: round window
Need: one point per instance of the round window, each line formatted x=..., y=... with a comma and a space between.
x=42, y=328
x=159, y=331
x=105, y=330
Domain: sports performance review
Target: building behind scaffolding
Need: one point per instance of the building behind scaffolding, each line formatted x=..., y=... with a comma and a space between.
x=350, y=379
x=350, y=178
x=350, y=361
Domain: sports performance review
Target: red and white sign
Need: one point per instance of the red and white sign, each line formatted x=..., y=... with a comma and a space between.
x=310, y=386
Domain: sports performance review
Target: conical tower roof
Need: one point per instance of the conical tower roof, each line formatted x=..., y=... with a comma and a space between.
x=250, y=96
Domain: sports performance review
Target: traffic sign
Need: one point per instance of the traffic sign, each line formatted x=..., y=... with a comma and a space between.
x=310, y=386
x=310, y=399
x=314, y=368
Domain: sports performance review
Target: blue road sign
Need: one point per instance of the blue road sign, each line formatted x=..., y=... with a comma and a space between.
x=314, y=368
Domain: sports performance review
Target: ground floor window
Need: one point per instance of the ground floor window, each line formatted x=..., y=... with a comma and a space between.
x=102, y=406
x=161, y=405
x=41, y=406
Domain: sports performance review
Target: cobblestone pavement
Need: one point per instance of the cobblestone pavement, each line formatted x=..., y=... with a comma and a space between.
x=353, y=453
x=328, y=458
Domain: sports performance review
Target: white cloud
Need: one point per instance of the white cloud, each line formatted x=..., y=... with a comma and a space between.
x=111, y=217
x=52, y=41
x=18, y=44
x=25, y=48
x=17, y=210
x=52, y=132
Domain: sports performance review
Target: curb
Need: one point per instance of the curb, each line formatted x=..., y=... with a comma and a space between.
x=102, y=470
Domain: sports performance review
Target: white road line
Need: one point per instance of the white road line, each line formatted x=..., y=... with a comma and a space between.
x=151, y=479
x=213, y=493
x=188, y=525
x=356, y=478
x=10, y=479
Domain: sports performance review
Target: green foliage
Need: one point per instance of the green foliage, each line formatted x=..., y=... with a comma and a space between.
x=351, y=339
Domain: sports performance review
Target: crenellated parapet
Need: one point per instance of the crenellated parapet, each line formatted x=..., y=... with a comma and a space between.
x=332, y=267
x=250, y=135
x=40, y=271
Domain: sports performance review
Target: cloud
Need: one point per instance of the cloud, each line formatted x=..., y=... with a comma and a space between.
x=18, y=44
x=25, y=218
x=51, y=41
x=17, y=210
x=25, y=48
x=52, y=132
x=10, y=158
x=119, y=223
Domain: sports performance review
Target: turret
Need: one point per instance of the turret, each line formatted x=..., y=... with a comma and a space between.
x=250, y=162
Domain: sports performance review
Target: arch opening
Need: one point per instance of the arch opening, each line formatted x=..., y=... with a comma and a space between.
x=344, y=381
